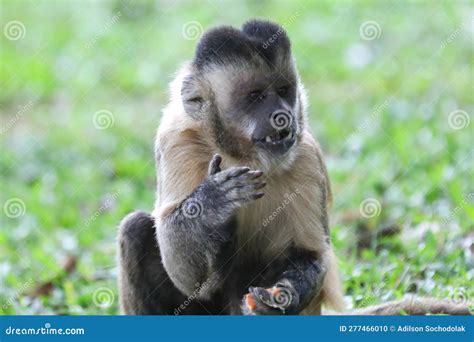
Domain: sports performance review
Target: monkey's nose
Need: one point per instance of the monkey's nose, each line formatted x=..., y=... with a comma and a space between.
x=281, y=119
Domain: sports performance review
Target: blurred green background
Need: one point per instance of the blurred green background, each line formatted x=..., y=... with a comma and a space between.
x=82, y=86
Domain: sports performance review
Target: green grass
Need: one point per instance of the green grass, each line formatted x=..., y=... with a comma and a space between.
x=382, y=117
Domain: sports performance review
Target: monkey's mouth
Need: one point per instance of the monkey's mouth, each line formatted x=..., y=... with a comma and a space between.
x=278, y=142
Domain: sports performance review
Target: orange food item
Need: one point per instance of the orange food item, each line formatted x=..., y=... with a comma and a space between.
x=250, y=302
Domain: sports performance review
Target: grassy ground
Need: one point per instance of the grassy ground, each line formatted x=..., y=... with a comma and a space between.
x=391, y=89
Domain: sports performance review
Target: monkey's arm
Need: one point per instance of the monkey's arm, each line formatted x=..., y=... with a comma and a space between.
x=195, y=235
x=299, y=281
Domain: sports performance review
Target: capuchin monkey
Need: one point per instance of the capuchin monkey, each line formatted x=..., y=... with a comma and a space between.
x=240, y=224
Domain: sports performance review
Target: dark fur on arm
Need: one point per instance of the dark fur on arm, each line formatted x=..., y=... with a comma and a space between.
x=300, y=279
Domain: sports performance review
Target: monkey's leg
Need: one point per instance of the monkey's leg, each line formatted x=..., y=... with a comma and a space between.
x=145, y=287
x=299, y=280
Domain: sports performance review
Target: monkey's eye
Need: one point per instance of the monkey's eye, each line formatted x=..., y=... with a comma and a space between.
x=256, y=95
x=282, y=91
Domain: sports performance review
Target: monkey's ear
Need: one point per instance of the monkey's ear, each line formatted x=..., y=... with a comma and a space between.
x=193, y=100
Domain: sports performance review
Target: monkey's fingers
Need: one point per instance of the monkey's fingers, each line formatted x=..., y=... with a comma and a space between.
x=246, y=185
x=257, y=195
x=242, y=176
x=263, y=294
x=215, y=164
x=244, y=195
x=236, y=172
x=252, y=174
x=259, y=185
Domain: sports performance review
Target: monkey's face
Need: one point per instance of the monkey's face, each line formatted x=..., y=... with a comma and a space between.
x=262, y=109
x=244, y=82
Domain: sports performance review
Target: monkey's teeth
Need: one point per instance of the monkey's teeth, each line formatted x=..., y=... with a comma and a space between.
x=268, y=139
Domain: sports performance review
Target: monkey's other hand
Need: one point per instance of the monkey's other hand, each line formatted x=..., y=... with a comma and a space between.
x=277, y=300
x=234, y=186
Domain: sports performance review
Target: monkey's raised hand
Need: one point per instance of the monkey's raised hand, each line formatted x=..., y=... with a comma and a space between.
x=214, y=201
x=237, y=184
x=229, y=189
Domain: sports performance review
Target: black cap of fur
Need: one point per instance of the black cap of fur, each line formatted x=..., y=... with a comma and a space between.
x=226, y=44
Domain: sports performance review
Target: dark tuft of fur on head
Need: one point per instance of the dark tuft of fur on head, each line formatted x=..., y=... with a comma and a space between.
x=269, y=34
x=225, y=44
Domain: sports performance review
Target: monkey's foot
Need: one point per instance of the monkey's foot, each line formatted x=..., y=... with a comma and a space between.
x=271, y=301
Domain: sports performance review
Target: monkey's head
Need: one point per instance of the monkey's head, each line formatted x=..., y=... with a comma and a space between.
x=244, y=83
